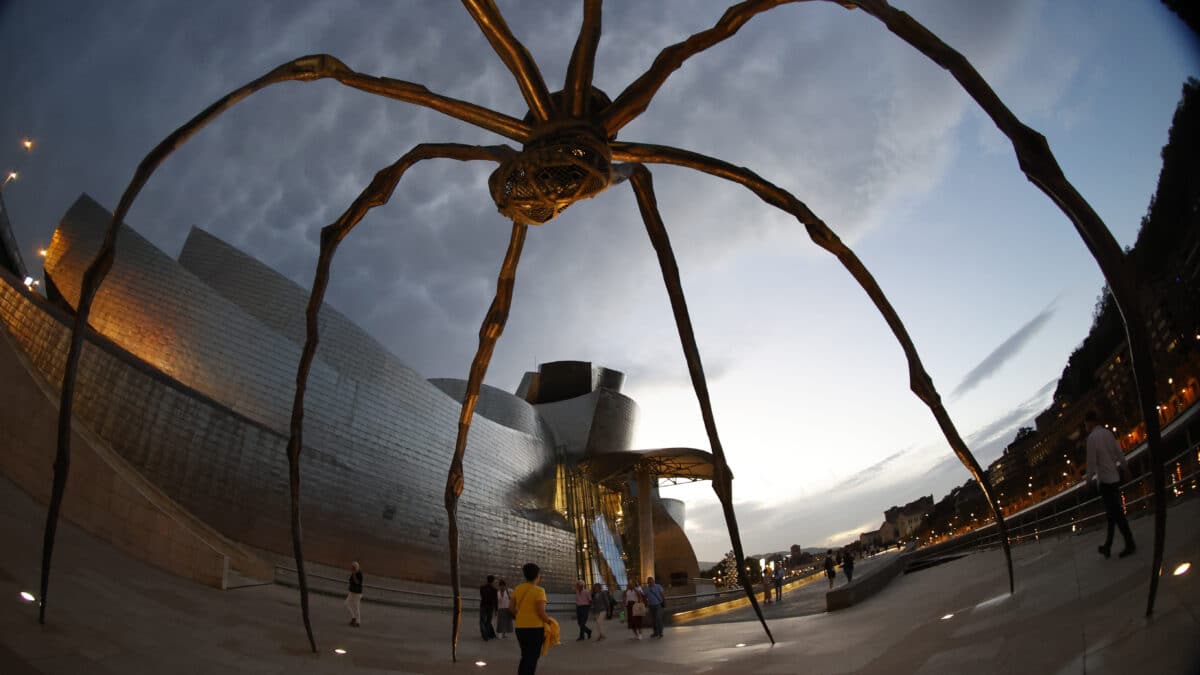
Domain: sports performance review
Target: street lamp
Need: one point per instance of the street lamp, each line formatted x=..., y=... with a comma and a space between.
x=12, y=175
x=27, y=143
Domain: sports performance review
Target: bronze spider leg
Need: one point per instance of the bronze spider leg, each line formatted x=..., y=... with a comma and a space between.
x=919, y=381
x=377, y=193
x=489, y=333
x=634, y=100
x=1036, y=161
x=307, y=68
x=643, y=189
x=514, y=55
x=583, y=60
x=1042, y=169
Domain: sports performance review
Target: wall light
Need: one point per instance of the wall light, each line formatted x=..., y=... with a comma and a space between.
x=740, y=644
x=339, y=651
x=481, y=663
x=1179, y=571
x=948, y=616
x=28, y=597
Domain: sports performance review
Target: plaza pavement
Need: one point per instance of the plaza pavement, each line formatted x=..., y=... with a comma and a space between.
x=1073, y=612
x=801, y=597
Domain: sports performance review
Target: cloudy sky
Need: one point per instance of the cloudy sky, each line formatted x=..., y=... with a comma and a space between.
x=809, y=387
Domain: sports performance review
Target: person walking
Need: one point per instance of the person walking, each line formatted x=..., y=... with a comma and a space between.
x=488, y=600
x=354, y=596
x=778, y=582
x=656, y=603
x=504, y=617
x=1106, y=467
x=633, y=597
x=830, y=570
x=528, y=605
x=601, y=608
x=848, y=566
x=583, y=607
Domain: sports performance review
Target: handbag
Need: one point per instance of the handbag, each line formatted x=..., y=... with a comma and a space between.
x=639, y=608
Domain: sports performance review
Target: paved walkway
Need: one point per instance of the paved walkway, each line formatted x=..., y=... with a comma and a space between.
x=802, y=598
x=1073, y=612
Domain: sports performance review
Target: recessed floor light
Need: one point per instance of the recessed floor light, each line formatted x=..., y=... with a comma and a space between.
x=481, y=663
x=948, y=616
x=28, y=597
x=740, y=644
x=339, y=651
x=1182, y=569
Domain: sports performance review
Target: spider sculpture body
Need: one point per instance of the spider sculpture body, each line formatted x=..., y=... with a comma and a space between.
x=569, y=153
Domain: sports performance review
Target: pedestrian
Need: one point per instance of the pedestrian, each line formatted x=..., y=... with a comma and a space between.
x=354, y=596
x=830, y=571
x=1106, y=467
x=504, y=616
x=767, y=582
x=656, y=603
x=601, y=608
x=488, y=599
x=528, y=605
x=848, y=566
x=633, y=597
x=583, y=607
x=778, y=582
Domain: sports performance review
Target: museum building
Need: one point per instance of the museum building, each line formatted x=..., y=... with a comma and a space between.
x=184, y=403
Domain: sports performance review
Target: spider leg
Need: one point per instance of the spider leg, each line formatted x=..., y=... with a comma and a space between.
x=377, y=193
x=1042, y=169
x=919, y=381
x=643, y=188
x=583, y=60
x=514, y=55
x=634, y=100
x=489, y=333
x=305, y=69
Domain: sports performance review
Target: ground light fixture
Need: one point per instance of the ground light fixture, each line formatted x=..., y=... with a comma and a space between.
x=26, y=596
x=740, y=644
x=948, y=616
x=481, y=663
x=339, y=651
x=1181, y=570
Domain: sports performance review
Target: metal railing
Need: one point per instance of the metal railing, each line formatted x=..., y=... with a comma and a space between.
x=1034, y=523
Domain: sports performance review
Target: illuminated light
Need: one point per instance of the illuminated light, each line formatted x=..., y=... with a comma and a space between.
x=27, y=143
x=1170, y=380
x=28, y=282
x=740, y=644
x=12, y=175
x=339, y=651
x=42, y=252
x=948, y=616
x=1179, y=571
x=28, y=597
x=481, y=663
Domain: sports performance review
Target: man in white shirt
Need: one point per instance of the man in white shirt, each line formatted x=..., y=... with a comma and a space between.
x=1106, y=466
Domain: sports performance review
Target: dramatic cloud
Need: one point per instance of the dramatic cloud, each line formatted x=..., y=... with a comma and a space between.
x=1004, y=352
x=821, y=101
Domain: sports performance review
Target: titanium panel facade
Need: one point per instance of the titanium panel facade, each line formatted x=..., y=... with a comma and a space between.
x=376, y=450
x=191, y=379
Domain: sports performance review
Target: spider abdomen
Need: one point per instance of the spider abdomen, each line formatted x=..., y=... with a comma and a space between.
x=552, y=172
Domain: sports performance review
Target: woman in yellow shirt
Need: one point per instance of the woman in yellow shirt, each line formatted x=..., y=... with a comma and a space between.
x=528, y=606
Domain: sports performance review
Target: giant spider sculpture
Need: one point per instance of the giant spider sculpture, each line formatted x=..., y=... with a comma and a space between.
x=569, y=153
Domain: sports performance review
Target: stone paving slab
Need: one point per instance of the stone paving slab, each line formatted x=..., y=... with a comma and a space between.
x=1073, y=612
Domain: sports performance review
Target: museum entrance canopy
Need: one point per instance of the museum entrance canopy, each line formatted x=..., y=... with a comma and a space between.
x=678, y=465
